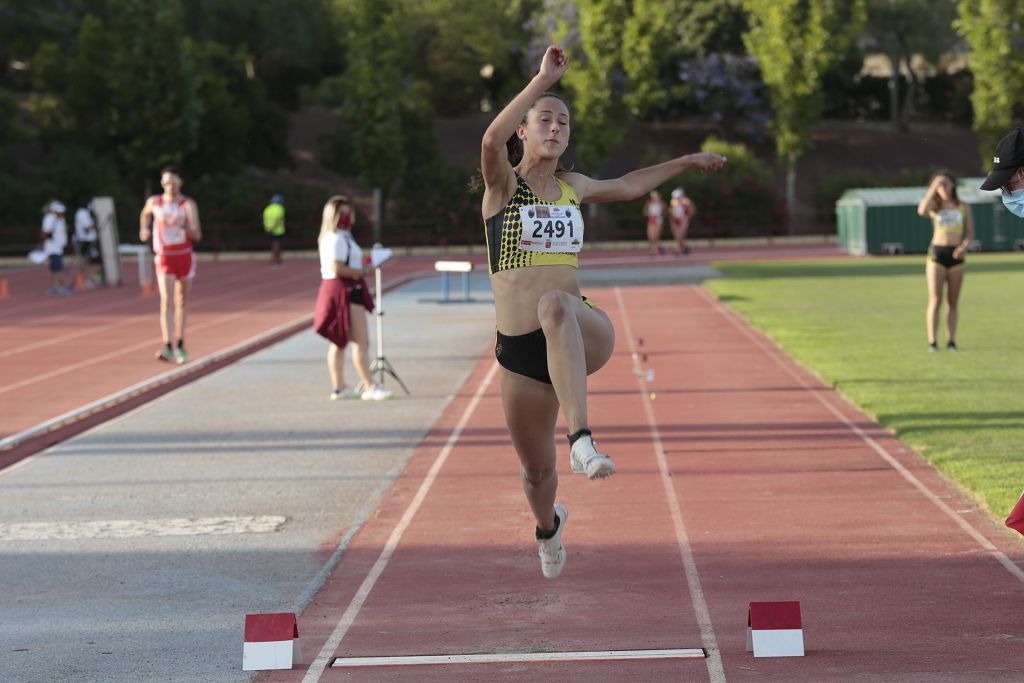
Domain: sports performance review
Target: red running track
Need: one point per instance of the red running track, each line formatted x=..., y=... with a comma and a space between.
x=58, y=354
x=741, y=478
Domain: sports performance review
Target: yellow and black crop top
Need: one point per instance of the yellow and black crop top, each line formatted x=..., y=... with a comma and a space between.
x=949, y=221
x=505, y=230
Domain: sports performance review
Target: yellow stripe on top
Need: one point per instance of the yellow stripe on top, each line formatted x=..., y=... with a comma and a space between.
x=504, y=229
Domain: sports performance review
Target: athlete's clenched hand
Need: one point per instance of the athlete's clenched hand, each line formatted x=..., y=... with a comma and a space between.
x=705, y=161
x=554, y=63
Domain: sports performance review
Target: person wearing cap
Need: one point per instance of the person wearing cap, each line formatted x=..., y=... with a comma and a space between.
x=273, y=224
x=54, y=238
x=1008, y=172
x=952, y=232
x=87, y=246
x=681, y=211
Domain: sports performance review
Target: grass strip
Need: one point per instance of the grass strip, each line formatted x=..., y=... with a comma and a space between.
x=860, y=325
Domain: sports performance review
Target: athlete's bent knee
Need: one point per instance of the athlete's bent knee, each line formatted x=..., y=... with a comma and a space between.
x=535, y=476
x=553, y=308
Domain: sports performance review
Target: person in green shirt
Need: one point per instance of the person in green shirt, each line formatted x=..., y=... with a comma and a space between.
x=273, y=224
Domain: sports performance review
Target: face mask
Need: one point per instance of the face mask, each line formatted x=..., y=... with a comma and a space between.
x=1014, y=202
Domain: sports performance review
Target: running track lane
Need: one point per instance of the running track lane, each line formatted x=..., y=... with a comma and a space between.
x=58, y=354
x=783, y=492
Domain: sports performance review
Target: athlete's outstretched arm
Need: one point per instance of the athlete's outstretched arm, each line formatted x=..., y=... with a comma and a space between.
x=493, y=157
x=640, y=182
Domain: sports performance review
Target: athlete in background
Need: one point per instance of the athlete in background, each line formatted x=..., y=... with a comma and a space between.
x=173, y=221
x=654, y=212
x=952, y=232
x=681, y=212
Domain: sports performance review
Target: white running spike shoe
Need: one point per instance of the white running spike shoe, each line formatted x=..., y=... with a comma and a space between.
x=586, y=459
x=551, y=551
x=377, y=393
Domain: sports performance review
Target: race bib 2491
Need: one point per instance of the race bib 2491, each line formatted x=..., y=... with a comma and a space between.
x=551, y=228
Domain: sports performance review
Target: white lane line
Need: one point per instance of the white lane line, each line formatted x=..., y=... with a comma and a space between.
x=773, y=352
x=371, y=504
x=716, y=671
x=501, y=658
x=139, y=528
x=147, y=384
x=318, y=666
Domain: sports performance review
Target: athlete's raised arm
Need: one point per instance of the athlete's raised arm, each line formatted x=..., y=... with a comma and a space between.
x=499, y=179
x=638, y=183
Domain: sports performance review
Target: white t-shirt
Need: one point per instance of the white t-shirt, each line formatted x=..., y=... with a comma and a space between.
x=57, y=230
x=85, y=227
x=339, y=246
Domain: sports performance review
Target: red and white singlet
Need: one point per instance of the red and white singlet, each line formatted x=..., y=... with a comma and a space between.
x=170, y=223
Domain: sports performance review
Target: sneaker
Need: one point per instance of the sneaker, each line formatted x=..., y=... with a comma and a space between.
x=345, y=394
x=165, y=354
x=584, y=458
x=951, y=345
x=377, y=393
x=180, y=355
x=551, y=551
x=932, y=347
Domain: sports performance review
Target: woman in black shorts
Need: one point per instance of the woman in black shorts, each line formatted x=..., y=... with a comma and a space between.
x=952, y=232
x=549, y=337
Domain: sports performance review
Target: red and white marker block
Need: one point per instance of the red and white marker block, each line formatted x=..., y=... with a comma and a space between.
x=1016, y=519
x=271, y=642
x=774, y=629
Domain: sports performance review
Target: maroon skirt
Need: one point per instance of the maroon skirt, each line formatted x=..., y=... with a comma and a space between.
x=331, y=316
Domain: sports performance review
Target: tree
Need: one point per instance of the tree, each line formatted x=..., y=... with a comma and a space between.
x=649, y=45
x=287, y=43
x=154, y=110
x=795, y=41
x=454, y=40
x=712, y=26
x=903, y=29
x=993, y=28
x=597, y=81
x=374, y=89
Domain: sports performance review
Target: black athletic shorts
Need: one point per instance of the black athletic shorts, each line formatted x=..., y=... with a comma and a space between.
x=944, y=256
x=526, y=354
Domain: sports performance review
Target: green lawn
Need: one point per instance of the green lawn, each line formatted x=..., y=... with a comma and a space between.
x=859, y=324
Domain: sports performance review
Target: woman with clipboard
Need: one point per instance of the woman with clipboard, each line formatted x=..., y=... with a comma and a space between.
x=344, y=303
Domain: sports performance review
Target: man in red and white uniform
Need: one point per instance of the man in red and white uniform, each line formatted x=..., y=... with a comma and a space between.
x=173, y=221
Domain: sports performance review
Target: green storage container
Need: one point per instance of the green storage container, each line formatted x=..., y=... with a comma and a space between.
x=885, y=220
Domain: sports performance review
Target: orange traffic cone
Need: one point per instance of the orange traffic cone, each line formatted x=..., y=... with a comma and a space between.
x=147, y=289
x=5, y=290
x=79, y=282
